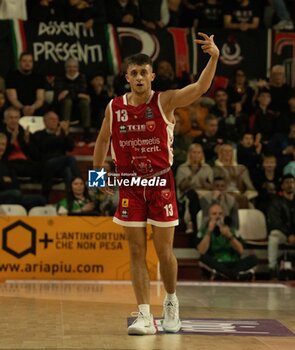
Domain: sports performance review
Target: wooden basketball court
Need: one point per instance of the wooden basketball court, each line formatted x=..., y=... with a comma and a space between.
x=90, y=315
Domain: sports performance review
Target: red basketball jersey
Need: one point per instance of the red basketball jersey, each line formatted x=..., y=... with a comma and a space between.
x=142, y=136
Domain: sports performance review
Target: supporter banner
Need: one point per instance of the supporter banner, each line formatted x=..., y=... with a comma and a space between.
x=283, y=49
x=246, y=50
x=6, y=48
x=66, y=248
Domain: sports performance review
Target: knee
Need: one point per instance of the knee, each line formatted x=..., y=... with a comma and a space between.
x=165, y=255
x=137, y=251
x=84, y=102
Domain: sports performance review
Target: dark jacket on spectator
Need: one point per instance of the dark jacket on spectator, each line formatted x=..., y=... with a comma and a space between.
x=75, y=86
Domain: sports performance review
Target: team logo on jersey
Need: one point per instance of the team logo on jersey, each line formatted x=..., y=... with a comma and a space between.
x=125, y=202
x=123, y=128
x=149, y=114
x=166, y=194
x=124, y=213
x=150, y=125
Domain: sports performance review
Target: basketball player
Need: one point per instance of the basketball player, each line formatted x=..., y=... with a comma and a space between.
x=139, y=126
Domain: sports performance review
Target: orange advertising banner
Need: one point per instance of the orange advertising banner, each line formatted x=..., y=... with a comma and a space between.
x=66, y=248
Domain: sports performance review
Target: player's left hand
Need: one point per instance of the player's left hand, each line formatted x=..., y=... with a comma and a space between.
x=208, y=45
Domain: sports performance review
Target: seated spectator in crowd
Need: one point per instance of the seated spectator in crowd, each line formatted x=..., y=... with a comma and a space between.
x=181, y=144
x=121, y=85
x=45, y=10
x=21, y=151
x=287, y=117
x=86, y=11
x=189, y=13
x=26, y=89
x=209, y=139
x=210, y=15
x=281, y=221
x=290, y=167
x=240, y=93
x=9, y=186
x=230, y=121
x=100, y=96
x=241, y=15
x=280, y=91
x=122, y=13
x=193, y=180
x=53, y=144
x=3, y=106
x=264, y=119
x=154, y=13
x=266, y=182
x=174, y=13
x=219, y=195
x=249, y=153
x=221, y=249
x=71, y=94
x=165, y=77
x=77, y=201
x=282, y=146
x=237, y=177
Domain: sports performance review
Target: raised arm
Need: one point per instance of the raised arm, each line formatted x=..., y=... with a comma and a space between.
x=172, y=99
x=102, y=142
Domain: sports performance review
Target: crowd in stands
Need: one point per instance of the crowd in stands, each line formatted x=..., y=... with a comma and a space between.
x=232, y=150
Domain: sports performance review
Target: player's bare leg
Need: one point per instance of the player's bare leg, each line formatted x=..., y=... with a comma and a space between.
x=140, y=279
x=163, y=241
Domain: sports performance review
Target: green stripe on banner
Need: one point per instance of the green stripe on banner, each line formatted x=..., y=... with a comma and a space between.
x=14, y=42
x=113, y=56
x=192, y=51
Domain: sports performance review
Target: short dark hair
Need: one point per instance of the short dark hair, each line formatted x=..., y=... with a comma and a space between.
x=209, y=117
x=25, y=53
x=286, y=177
x=139, y=59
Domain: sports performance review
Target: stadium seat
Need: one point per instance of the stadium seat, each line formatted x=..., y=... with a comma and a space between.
x=35, y=123
x=12, y=210
x=48, y=210
x=252, y=226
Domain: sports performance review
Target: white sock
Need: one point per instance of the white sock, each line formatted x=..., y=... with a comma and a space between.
x=144, y=309
x=171, y=297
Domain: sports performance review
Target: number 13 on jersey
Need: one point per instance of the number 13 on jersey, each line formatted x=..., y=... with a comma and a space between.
x=169, y=209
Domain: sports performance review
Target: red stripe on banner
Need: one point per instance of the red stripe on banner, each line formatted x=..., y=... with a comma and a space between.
x=22, y=34
x=181, y=50
x=116, y=42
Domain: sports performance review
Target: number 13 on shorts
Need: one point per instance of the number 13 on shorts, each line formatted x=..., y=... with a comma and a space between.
x=169, y=209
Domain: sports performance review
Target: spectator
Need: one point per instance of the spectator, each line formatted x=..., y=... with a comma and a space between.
x=283, y=15
x=209, y=139
x=240, y=94
x=122, y=13
x=9, y=186
x=280, y=91
x=26, y=89
x=281, y=221
x=13, y=9
x=190, y=10
x=181, y=144
x=100, y=96
x=264, y=117
x=249, y=153
x=45, y=10
x=154, y=13
x=230, y=121
x=226, y=201
x=77, y=200
x=287, y=117
x=21, y=150
x=267, y=182
x=165, y=77
x=210, y=15
x=237, y=176
x=3, y=106
x=241, y=14
x=221, y=249
x=53, y=144
x=71, y=95
x=174, y=13
x=193, y=179
x=86, y=11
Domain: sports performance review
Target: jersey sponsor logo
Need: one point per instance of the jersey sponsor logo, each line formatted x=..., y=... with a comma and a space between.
x=125, y=202
x=132, y=128
x=124, y=213
x=166, y=194
x=151, y=125
x=149, y=114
